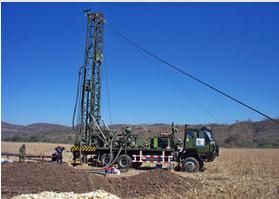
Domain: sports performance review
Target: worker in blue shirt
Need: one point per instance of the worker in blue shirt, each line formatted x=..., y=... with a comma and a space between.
x=59, y=151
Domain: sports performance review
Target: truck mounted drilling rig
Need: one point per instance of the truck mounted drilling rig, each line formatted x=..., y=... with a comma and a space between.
x=105, y=147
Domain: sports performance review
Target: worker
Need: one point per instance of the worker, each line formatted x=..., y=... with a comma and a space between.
x=128, y=130
x=59, y=150
x=22, y=153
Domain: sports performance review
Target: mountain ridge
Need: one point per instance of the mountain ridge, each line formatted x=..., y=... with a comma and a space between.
x=240, y=134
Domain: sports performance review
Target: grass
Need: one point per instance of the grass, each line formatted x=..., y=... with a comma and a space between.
x=32, y=147
x=240, y=173
x=35, y=148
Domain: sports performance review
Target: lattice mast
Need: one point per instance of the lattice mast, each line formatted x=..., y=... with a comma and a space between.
x=91, y=86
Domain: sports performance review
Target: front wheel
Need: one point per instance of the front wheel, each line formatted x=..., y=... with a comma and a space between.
x=124, y=161
x=191, y=164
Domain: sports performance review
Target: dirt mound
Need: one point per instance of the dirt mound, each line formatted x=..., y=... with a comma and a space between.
x=37, y=177
x=20, y=178
x=152, y=183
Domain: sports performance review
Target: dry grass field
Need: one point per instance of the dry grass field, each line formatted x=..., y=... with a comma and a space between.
x=35, y=148
x=240, y=173
x=237, y=173
x=32, y=147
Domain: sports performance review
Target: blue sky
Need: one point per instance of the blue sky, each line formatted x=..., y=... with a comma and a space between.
x=233, y=46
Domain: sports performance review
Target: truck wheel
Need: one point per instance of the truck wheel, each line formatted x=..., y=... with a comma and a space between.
x=191, y=164
x=124, y=161
x=136, y=165
x=105, y=159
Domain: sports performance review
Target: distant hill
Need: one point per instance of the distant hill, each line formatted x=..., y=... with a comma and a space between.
x=241, y=134
x=36, y=132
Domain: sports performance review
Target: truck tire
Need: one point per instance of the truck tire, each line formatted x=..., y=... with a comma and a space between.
x=105, y=159
x=191, y=164
x=124, y=161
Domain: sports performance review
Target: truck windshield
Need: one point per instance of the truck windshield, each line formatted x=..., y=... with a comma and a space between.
x=209, y=135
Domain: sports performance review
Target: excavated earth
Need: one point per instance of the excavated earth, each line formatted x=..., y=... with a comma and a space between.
x=21, y=178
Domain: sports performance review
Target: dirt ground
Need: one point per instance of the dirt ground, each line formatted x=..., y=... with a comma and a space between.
x=237, y=173
x=19, y=178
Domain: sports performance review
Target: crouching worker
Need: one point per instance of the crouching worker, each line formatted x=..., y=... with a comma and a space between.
x=59, y=157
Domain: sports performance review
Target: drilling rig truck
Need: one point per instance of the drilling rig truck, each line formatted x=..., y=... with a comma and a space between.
x=96, y=142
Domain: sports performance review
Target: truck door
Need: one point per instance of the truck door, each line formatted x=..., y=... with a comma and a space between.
x=202, y=142
x=190, y=139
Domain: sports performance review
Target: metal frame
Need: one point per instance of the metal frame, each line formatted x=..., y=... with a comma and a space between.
x=91, y=87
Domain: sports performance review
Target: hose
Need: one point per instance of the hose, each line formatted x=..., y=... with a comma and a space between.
x=111, y=152
x=76, y=103
x=116, y=157
x=112, y=160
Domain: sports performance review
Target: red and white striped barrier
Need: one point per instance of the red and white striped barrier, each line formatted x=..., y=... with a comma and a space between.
x=152, y=158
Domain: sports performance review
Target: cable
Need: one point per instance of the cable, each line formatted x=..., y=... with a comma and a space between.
x=108, y=94
x=188, y=74
x=76, y=103
x=181, y=89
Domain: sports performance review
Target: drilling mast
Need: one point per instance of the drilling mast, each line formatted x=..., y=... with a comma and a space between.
x=90, y=113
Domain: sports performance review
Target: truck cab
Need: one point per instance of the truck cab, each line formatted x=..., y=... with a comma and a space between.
x=198, y=147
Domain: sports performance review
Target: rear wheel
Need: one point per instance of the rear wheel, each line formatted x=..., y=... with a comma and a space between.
x=124, y=161
x=105, y=159
x=191, y=164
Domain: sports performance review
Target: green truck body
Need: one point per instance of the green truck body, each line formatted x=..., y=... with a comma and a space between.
x=129, y=150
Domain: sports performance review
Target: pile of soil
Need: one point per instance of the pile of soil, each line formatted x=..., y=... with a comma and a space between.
x=154, y=184
x=21, y=178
